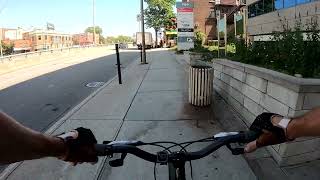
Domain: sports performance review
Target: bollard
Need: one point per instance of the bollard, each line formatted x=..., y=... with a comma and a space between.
x=118, y=64
x=140, y=53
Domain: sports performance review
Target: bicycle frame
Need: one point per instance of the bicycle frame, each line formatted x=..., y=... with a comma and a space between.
x=177, y=170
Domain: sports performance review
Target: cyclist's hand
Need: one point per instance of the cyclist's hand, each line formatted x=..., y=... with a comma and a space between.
x=270, y=131
x=79, y=146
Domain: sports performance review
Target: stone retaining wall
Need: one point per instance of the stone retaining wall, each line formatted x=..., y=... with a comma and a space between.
x=252, y=90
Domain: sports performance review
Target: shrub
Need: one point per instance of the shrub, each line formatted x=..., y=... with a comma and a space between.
x=199, y=39
x=287, y=51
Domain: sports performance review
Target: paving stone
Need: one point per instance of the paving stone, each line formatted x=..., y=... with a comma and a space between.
x=256, y=82
x=292, y=99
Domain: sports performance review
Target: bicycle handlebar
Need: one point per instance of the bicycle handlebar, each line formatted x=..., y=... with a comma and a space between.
x=243, y=137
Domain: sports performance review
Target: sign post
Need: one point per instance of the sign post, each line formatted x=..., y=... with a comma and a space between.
x=185, y=24
x=222, y=33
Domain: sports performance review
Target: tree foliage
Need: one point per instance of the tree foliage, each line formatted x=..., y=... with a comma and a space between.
x=7, y=49
x=118, y=39
x=98, y=30
x=287, y=52
x=158, y=14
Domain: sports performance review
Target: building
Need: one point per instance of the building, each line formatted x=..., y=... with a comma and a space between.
x=48, y=39
x=84, y=39
x=19, y=45
x=267, y=16
x=206, y=11
x=11, y=34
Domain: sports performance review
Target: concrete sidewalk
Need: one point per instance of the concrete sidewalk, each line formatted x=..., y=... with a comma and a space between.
x=151, y=105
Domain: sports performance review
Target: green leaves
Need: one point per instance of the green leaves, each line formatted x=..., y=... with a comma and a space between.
x=288, y=51
x=118, y=39
x=7, y=49
x=158, y=13
x=98, y=30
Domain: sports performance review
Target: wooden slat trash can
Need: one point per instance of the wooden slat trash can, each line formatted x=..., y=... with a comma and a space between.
x=200, y=85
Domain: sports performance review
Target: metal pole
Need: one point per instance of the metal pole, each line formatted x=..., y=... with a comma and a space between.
x=225, y=35
x=144, y=61
x=1, y=53
x=118, y=64
x=94, y=26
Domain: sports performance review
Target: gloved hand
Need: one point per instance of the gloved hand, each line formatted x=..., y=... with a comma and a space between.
x=270, y=131
x=79, y=146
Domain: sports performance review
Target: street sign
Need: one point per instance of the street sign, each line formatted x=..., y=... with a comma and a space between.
x=185, y=23
x=180, y=5
x=50, y=26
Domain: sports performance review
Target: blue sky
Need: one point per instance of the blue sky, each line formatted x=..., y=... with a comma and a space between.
x=73, y=16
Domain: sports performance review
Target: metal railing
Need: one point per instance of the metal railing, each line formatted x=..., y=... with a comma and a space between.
x=3, y=59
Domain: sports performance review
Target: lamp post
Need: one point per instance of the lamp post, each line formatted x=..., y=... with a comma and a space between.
x=93, y=20
x=1, y=53
x=144, y=61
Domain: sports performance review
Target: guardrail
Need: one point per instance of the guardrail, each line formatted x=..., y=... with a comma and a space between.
x=44, y=52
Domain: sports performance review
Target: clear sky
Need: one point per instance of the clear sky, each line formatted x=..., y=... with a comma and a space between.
x=116, y=17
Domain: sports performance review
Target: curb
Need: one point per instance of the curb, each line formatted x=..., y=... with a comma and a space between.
x=7, y=172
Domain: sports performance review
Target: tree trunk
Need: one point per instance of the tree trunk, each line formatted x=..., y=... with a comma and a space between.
x=156, y=44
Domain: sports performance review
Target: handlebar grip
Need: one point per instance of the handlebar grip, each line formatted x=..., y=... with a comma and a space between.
x=101, y=149
x=250, y=136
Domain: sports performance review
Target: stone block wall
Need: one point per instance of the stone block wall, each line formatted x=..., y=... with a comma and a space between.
x=252, y=90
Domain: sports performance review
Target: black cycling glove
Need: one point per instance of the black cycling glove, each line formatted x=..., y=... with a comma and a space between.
x=269, y=134
x=80, y=146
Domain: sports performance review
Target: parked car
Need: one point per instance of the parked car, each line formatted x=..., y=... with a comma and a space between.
x=123, y=46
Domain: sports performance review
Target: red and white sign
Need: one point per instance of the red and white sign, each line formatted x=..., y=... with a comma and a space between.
x=185, y=9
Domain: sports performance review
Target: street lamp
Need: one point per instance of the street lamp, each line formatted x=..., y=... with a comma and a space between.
x=1, y=54
x=144, y=61
x=93, y=20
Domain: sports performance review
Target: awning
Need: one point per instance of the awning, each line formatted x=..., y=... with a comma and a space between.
x=22, y=49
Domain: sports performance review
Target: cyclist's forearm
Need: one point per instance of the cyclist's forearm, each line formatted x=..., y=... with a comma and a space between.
x=19, y=143
x=306, y=125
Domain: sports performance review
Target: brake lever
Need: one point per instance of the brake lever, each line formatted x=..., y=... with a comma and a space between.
x=235, y=151
x=118, y=162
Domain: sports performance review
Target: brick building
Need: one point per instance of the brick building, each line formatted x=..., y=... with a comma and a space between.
x=20, y=45
x=48, y=39
x=11, y=34
x=205, y=12
x=84, y=39
x=204, y=19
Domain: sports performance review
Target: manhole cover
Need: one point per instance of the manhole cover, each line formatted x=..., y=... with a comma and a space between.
x=95, y=84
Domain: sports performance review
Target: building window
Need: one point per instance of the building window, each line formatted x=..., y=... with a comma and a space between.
x=39, y=37
x=266, y=6
x=289, y=3
x=278, y=4
x=46, y=37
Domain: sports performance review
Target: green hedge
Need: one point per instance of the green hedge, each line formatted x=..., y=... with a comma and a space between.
x=288, y=52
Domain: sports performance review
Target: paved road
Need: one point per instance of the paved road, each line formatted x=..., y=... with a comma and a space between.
x=41, y=101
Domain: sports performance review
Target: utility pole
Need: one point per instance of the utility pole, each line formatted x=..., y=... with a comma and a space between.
x=144, y=61
x=94, y=26
x=1, y=54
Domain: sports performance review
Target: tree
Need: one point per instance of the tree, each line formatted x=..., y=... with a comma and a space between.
x=7, y=49
x=98, y=30
x=158, y=14
x=119, y=39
